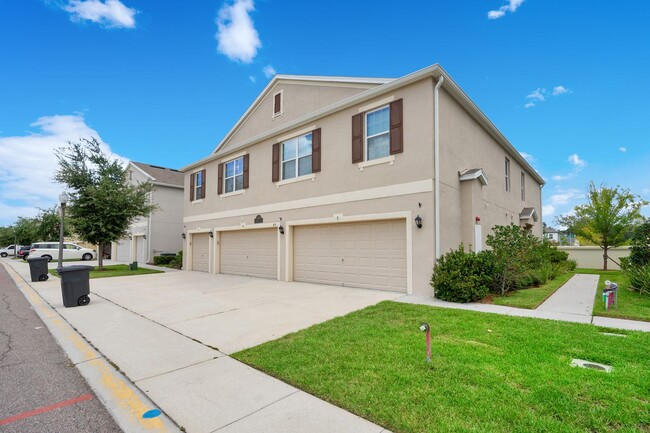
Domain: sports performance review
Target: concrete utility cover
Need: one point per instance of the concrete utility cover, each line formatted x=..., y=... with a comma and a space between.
x=592, y=365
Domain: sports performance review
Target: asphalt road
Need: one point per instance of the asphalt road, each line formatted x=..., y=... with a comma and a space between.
x=41, y=391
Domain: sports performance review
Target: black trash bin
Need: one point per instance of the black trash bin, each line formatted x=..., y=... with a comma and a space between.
x=75, y=285
x=38, y=268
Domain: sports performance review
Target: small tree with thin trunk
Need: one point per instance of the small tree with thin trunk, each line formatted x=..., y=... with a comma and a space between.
x=607, y=218
x=103, y=204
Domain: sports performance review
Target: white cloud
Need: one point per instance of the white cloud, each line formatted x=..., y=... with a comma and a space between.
x=559, y=177
x=529, y=104
x=269, y=71
x=236, y=34
x=622, y=149
x=527, y=156
x=578, y=163
x=252, y=78
x=563, y=197
x=28, y=163
x=510, y=7
x=548, y=210
x=110, y=13
x=560, y=90
x=537, y=95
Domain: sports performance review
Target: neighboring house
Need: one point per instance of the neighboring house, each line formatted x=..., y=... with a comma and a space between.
x=358, y=182
x=160, y=232
x=551, y=234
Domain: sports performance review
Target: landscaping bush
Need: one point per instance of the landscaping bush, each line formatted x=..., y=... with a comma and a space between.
x=639, y=277
x=570, y=264
x=178, y=260
x=163, y=260
x=640, y=245
x=462, y=276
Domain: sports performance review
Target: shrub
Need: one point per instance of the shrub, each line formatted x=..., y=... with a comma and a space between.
x=639, y=278
x=570, y=264
x=178, y=260
x=461, y=276
x=163, y=260
x=640, y=245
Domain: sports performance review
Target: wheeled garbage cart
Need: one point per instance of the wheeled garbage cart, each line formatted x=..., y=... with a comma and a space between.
x=38, y=268
x=75, y=285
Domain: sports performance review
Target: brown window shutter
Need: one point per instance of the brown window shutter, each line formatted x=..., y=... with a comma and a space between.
x=220, y=180
x=202, y=183
x=396, y=128
x=246, y=171
x=276, y=162
x=277, y=103
x=315, y=150
x=192, y=180
x=357, y=138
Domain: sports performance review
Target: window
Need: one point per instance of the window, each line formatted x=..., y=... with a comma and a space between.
x=277, y=104
x=507, y=174
x=198, y=185
x=234, y=178
x=523, y=186
x=296, y=157
x=377, y=134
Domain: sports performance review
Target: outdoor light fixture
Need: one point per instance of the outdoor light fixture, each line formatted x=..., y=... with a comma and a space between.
x=63, y=199
x=144, y=236
x=183, y=235
x=418, y=222
x=281, y=230
x=211, y=234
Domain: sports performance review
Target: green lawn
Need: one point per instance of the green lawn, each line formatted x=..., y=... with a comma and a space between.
x=531, y=298
x=490, y=373
x=631, y=305
x=115, y=271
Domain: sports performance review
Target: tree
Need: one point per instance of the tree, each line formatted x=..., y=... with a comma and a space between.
x=640, y=250
x=103, y=204
x=512, y=248
x=7, y=236
x=607, y=218
x=26, y=230
x=49, y=223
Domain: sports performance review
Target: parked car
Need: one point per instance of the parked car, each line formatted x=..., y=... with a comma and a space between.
x=7, y=251
x=23, y=252
x=70, y=251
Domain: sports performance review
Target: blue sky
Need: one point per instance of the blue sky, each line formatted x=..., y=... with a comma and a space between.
x=163, y=81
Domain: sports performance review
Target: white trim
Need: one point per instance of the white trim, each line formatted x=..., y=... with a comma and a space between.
x=246, y=227
x=390, y=159
x=416, y=187
x=141, y=171
x=298, y=133
x=233, y=177
x=377, y=104
x=338, y=218
x=304, y=177
x=480, y=175
x=234, y=156
x=199, y=201
x=230, y=194
x=365, y=132
x=281, y=112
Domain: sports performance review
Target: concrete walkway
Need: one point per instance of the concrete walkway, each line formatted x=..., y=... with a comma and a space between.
x=573, y=302
x=158, y=329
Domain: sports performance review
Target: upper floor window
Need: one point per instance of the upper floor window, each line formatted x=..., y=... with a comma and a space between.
x=234, y=175
x=198, y=185
x=523, y=186
x=507, y=174
x=378, y=133
x=278, y=104
x=297, y=157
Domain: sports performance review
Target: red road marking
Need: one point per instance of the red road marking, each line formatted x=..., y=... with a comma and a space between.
x=45, y=409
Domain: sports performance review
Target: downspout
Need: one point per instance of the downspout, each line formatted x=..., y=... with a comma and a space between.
x=436, y=169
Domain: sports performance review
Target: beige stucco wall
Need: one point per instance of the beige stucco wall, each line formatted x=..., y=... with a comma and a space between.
x=592, y=257
x=464, y=144
x=341, y=190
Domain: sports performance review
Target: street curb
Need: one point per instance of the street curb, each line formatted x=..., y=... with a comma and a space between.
x=124, y=400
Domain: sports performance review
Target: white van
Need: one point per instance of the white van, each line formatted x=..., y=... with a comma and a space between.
x=70, y=251
x=8, y=251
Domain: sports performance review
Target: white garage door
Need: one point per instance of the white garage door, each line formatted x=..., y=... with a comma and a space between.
x=141, y=249
x=253, y=253
x=200, y=252
x=370, y=255
x=123, y=253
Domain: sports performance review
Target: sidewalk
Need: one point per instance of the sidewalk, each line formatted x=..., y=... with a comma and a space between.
x=198, y=387
x=573, y=302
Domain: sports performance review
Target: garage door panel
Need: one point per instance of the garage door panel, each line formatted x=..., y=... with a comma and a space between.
x=250, y=252
x=123, y=252
x=366, y=254
x=200, y=252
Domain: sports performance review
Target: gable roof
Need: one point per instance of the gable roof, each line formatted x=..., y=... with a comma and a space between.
x=161, y=175
x=389, y=85
x=474, y=173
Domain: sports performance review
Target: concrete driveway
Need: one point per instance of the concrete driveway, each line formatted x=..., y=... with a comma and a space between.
x=230, y=312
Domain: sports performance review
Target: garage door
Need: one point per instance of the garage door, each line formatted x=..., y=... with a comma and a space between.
x=123, y=253
x=200, y=251
x=370, y=255
x=253, y=253
x=141, y=249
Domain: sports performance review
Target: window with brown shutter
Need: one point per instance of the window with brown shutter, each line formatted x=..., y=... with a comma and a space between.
x=396, y=134
x=277, y=104
x=192, y=186
x=357, y=138
x=203, y=183
x=276, y=163
x=315, y=150
x=220, y=180
x=245, y=185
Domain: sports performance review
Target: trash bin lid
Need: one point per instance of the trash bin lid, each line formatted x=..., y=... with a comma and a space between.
x=75, y=268
x=36, y=259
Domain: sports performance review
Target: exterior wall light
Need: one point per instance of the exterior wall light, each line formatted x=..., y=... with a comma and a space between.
x=183, y=235
x=418, y=222
x=211, y=234
x=281, y=230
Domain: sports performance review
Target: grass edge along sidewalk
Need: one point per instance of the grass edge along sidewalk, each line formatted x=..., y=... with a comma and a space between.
x=489, y=373
x=115, y=271
x=632, y=305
